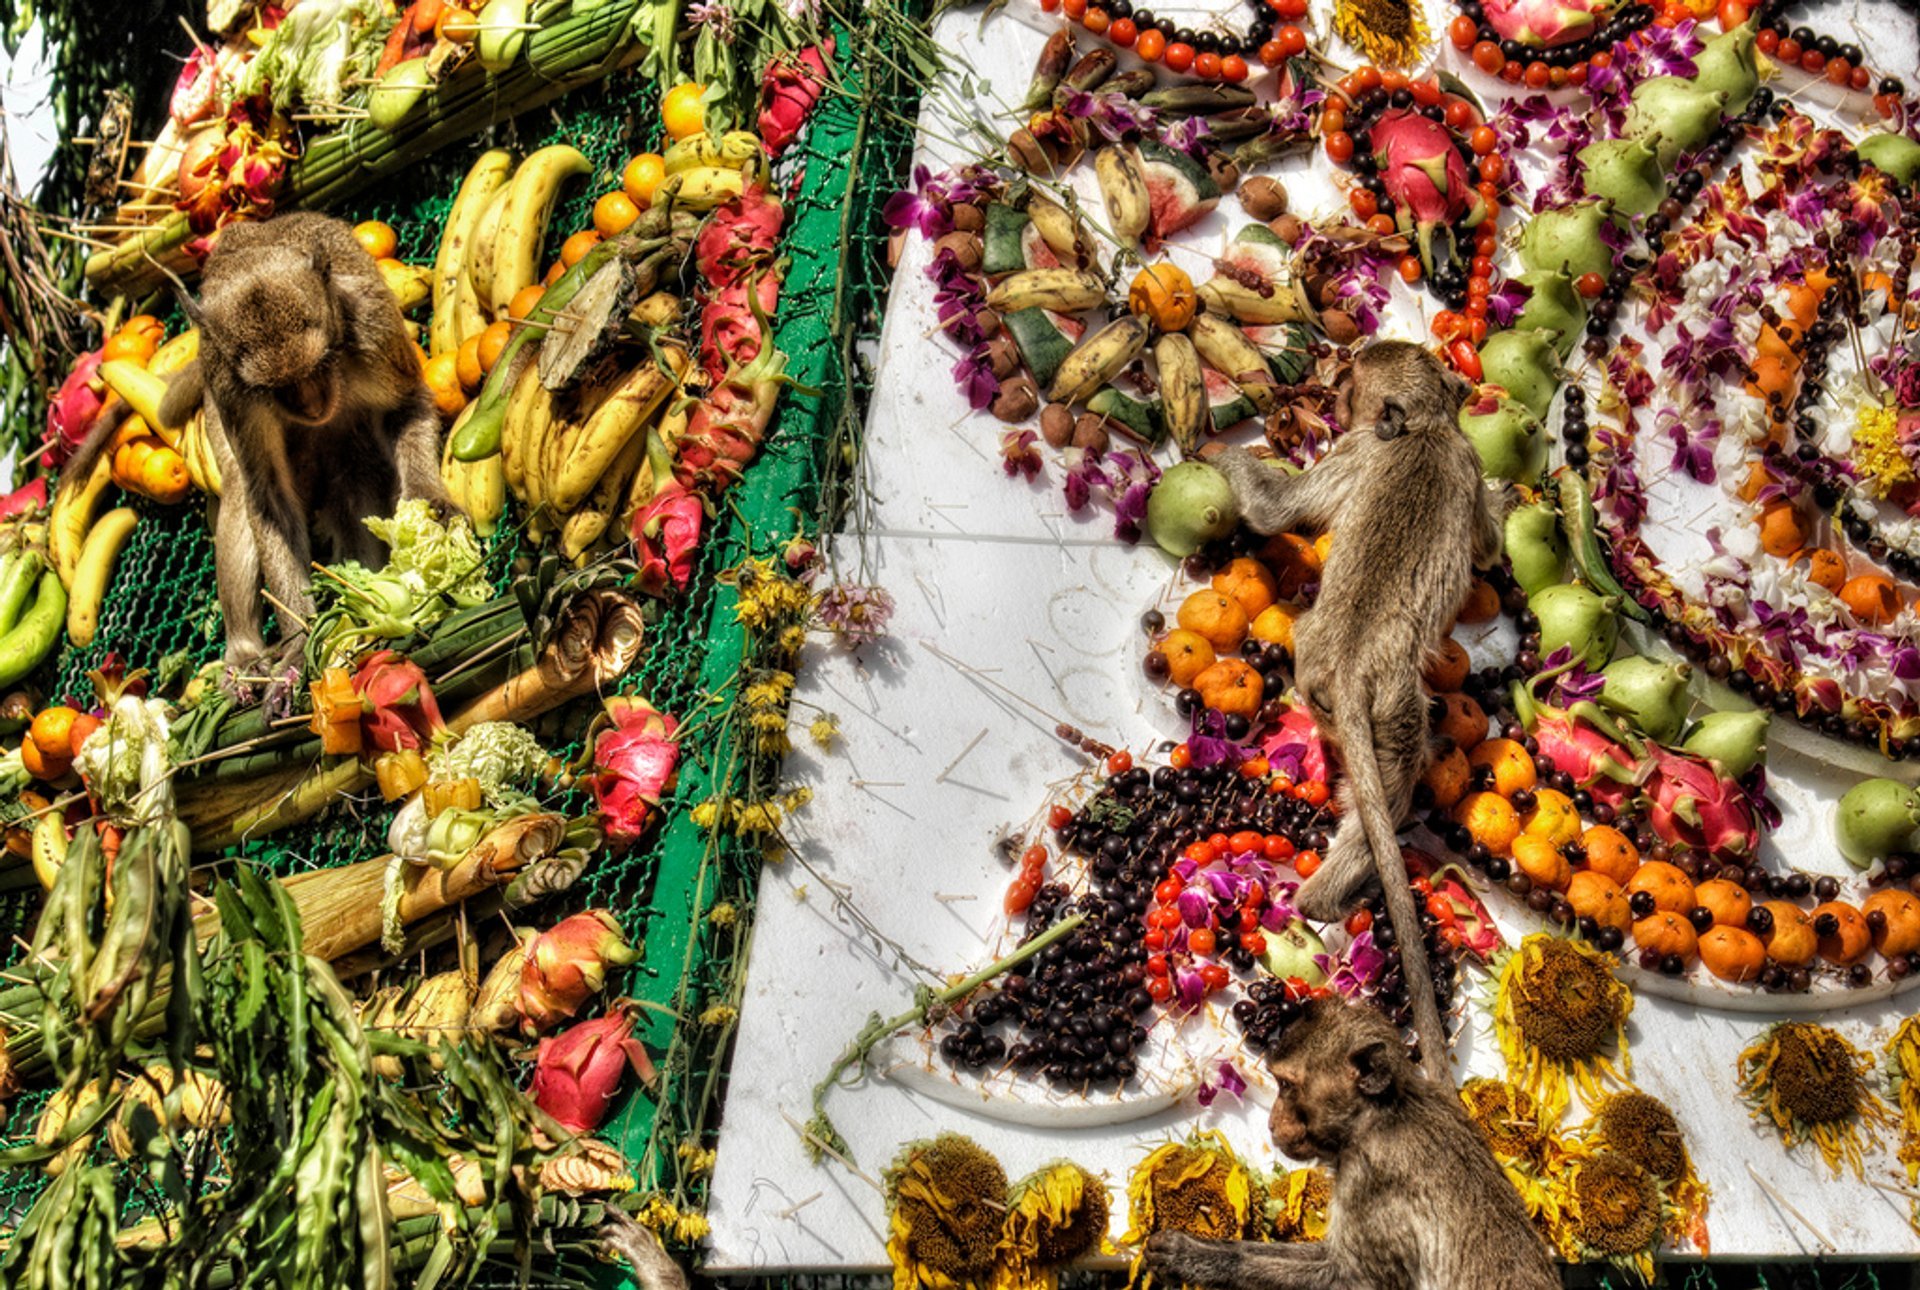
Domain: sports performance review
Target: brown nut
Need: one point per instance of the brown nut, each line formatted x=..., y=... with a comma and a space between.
x=1056, y=424
x=1225, y=173
x=968, y=218
x=1322, y=290
x=1003, y=356
x=1017, y=400
x=1026, y=152
x=1339, y=325
x=1287, y=228
x=1090, y=431
x=1264, y=198
x=965, y=247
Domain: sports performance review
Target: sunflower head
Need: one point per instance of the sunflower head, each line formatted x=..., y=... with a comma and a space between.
x=1812, y=1083
x=947, y=1199
x=1197, y=1186
x=1643, y=1129
x=1611, y=1210
x=1054, y=1216
x=1557, y=1009
x=1903, y=1061
x=1297, y=1203
x=1508, y=1117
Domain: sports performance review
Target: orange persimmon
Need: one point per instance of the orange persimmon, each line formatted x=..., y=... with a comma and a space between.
x=1670, y=888
x=1611, y=852
x=1732, y=953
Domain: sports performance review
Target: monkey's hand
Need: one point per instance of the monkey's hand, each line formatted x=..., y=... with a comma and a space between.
x=1174, y=1258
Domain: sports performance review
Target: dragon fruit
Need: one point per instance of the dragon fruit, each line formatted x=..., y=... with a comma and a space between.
x=1425, y=176
x=666, y=531
x=634, y=764
x=1542, y=22
x=398, y=707
x=788, y=92
x=75, y=405
x=567, y=964
x=1584, y=742
x=1295, y=747
x=578, y=1072
x=1691, y=806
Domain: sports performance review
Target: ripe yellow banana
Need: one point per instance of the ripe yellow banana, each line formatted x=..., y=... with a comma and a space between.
x=478, y=488
x=735, y=150
x=1066, y=291
x=49, y=848
x=176, y=353
x=411, y=285
x=661, y=309
x=202, y=466
x=1123, y=187
x=607, y=500
x=1183, y=390
x=479, y=264
x=486, y=177
x=523, y=224
x=673, y=424
x=1099, y=358
x=1227, y=348
x=1059, y=230
x=701, y=188
x=74, y=503
x=586, y=456
x=142, y=390
x=94, y=571
x=529, y=398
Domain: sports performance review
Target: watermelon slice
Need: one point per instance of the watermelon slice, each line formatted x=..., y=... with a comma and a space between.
x=1002, y=241
x=1256, y=283
x=1285, y=346
x=1179, y=188
x=1045, y=339
x=1138, y=419
x=1225, y=401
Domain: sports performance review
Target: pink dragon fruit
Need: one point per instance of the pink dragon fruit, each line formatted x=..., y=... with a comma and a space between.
x=1690, y=806
x=578, y=1072
x=739, y=236
x=196, y=93
x=398, y=704
x=567, y=964
x=1295, y=748
x=666, y=531
x=1584, y=742
x=26, y=499
x=793, y=84
x=1425, y=176
x=634, y=764
x=1542, y=22
x=75, y=406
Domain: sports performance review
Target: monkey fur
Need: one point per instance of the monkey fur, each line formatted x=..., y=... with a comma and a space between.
x=1418, y=1200
x=1403, y=491
x=316, y=413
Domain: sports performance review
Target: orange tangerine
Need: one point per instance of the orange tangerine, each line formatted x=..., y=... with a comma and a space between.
x=524, y=301
x=377, y=239
x=52, y=730
x=613, y=212
x=492, y=341
x=1188, y=655
x=575, y=248
x=1216, y=616
x=1249, y=582
x=643, y=174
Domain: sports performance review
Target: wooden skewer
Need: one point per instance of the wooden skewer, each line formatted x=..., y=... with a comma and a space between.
x=75, y=237
x=1787, y=1205
x=814, y=1140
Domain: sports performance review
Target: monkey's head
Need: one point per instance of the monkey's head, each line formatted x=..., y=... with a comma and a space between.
x=269, y=313
x=1394, y=384
x=1334, y=1070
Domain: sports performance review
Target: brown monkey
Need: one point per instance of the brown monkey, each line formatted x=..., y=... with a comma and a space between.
x=1402, y=491
x=1418, y=1201
x=315, y=410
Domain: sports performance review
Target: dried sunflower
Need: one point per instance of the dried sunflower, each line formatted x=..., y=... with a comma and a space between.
x=1610, y=1208
x=1522, y=1144
x=1903, y=1058
x=1055, y=1216
x=1557, y=1004
x=946, y=1201
x=1390, y=32
x=1812, y=1084
x=1642, y=1128
x=1297, y=1204
x=1197, y=1186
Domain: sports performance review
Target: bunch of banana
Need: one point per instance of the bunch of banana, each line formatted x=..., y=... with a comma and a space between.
x=490, y=245
x=456, y=306
x=530, y=198
x=702, y=172
x=476, y=487
x=202, y=466
x=411, y=285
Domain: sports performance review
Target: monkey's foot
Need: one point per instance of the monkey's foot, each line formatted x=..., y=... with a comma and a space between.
x=1174, y=1258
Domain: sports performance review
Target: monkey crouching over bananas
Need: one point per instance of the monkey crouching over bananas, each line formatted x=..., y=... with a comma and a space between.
x=1402, y=489
x=315, y=410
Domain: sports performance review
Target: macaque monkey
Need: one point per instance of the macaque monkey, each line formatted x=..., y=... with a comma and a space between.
x=1402, y=493
x=1418, y=1201
x=315, y=410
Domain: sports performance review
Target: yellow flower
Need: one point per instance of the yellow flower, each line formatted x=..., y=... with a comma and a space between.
x=1197, y=1186
x=658, y=1214
x=769, y=691
x=757, y=817
x=718, y=1015
x=1056, y=1216
x=1643, y=1129
x=791, y=640
x=1390, y=32
x=824, y=730
x=1811, y=1083
x=697, y=1159
x=1297, y=1204
x=1903, y=1058
x=946, y=1199
x=1610, y=1208
x=1526, y=1150
x=691, y=1228
x=798, y=798
x=1876, y=450
x=724, y=914
x=1556, y=1006
x=707, y=814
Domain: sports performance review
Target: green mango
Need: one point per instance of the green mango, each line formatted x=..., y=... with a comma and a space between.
x=1524, y=364
x=1876, y=818
x=1510, y=440
x=1736, y=742
x=1579, y=619
x=1652, y=694
x=1554, y=306
x=1727, y=65
x=1673, y=115
x=1626, y=172
x=1568, y=239
x=1535, y=547
x=1896, y=154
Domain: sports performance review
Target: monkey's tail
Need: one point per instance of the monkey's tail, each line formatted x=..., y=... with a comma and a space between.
x=1383, y=840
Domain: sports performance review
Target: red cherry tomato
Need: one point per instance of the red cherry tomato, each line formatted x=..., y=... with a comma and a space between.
x=1168, y=891
x=1120, y=763
x=1201, y=940
x=1359, y=921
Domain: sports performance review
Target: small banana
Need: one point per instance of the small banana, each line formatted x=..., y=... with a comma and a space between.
x=411, y=285
x=734, y=150
x=604, y=504
x=529, y=400
x=523, y=224
x=1123, y=187
x=1065, y=291
x=1099, y=358
x=175, y=353
x=49, y=848
x=588, y=454
x=1061, y=232
x=486, y=177
x=702, y=188
x=1242, y=303
x=142, y=390
x=1226, y=348
x=202, y=465
x=1183, y=390
x=472, y=312
x=75, y=501
x=673, y=424
x=94, y=571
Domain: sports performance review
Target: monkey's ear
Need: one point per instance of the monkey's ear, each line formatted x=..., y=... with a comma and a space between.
x=1392, y=421
x=1372, y=1068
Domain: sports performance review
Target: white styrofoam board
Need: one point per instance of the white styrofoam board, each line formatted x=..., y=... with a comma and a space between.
x=1014, y=615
